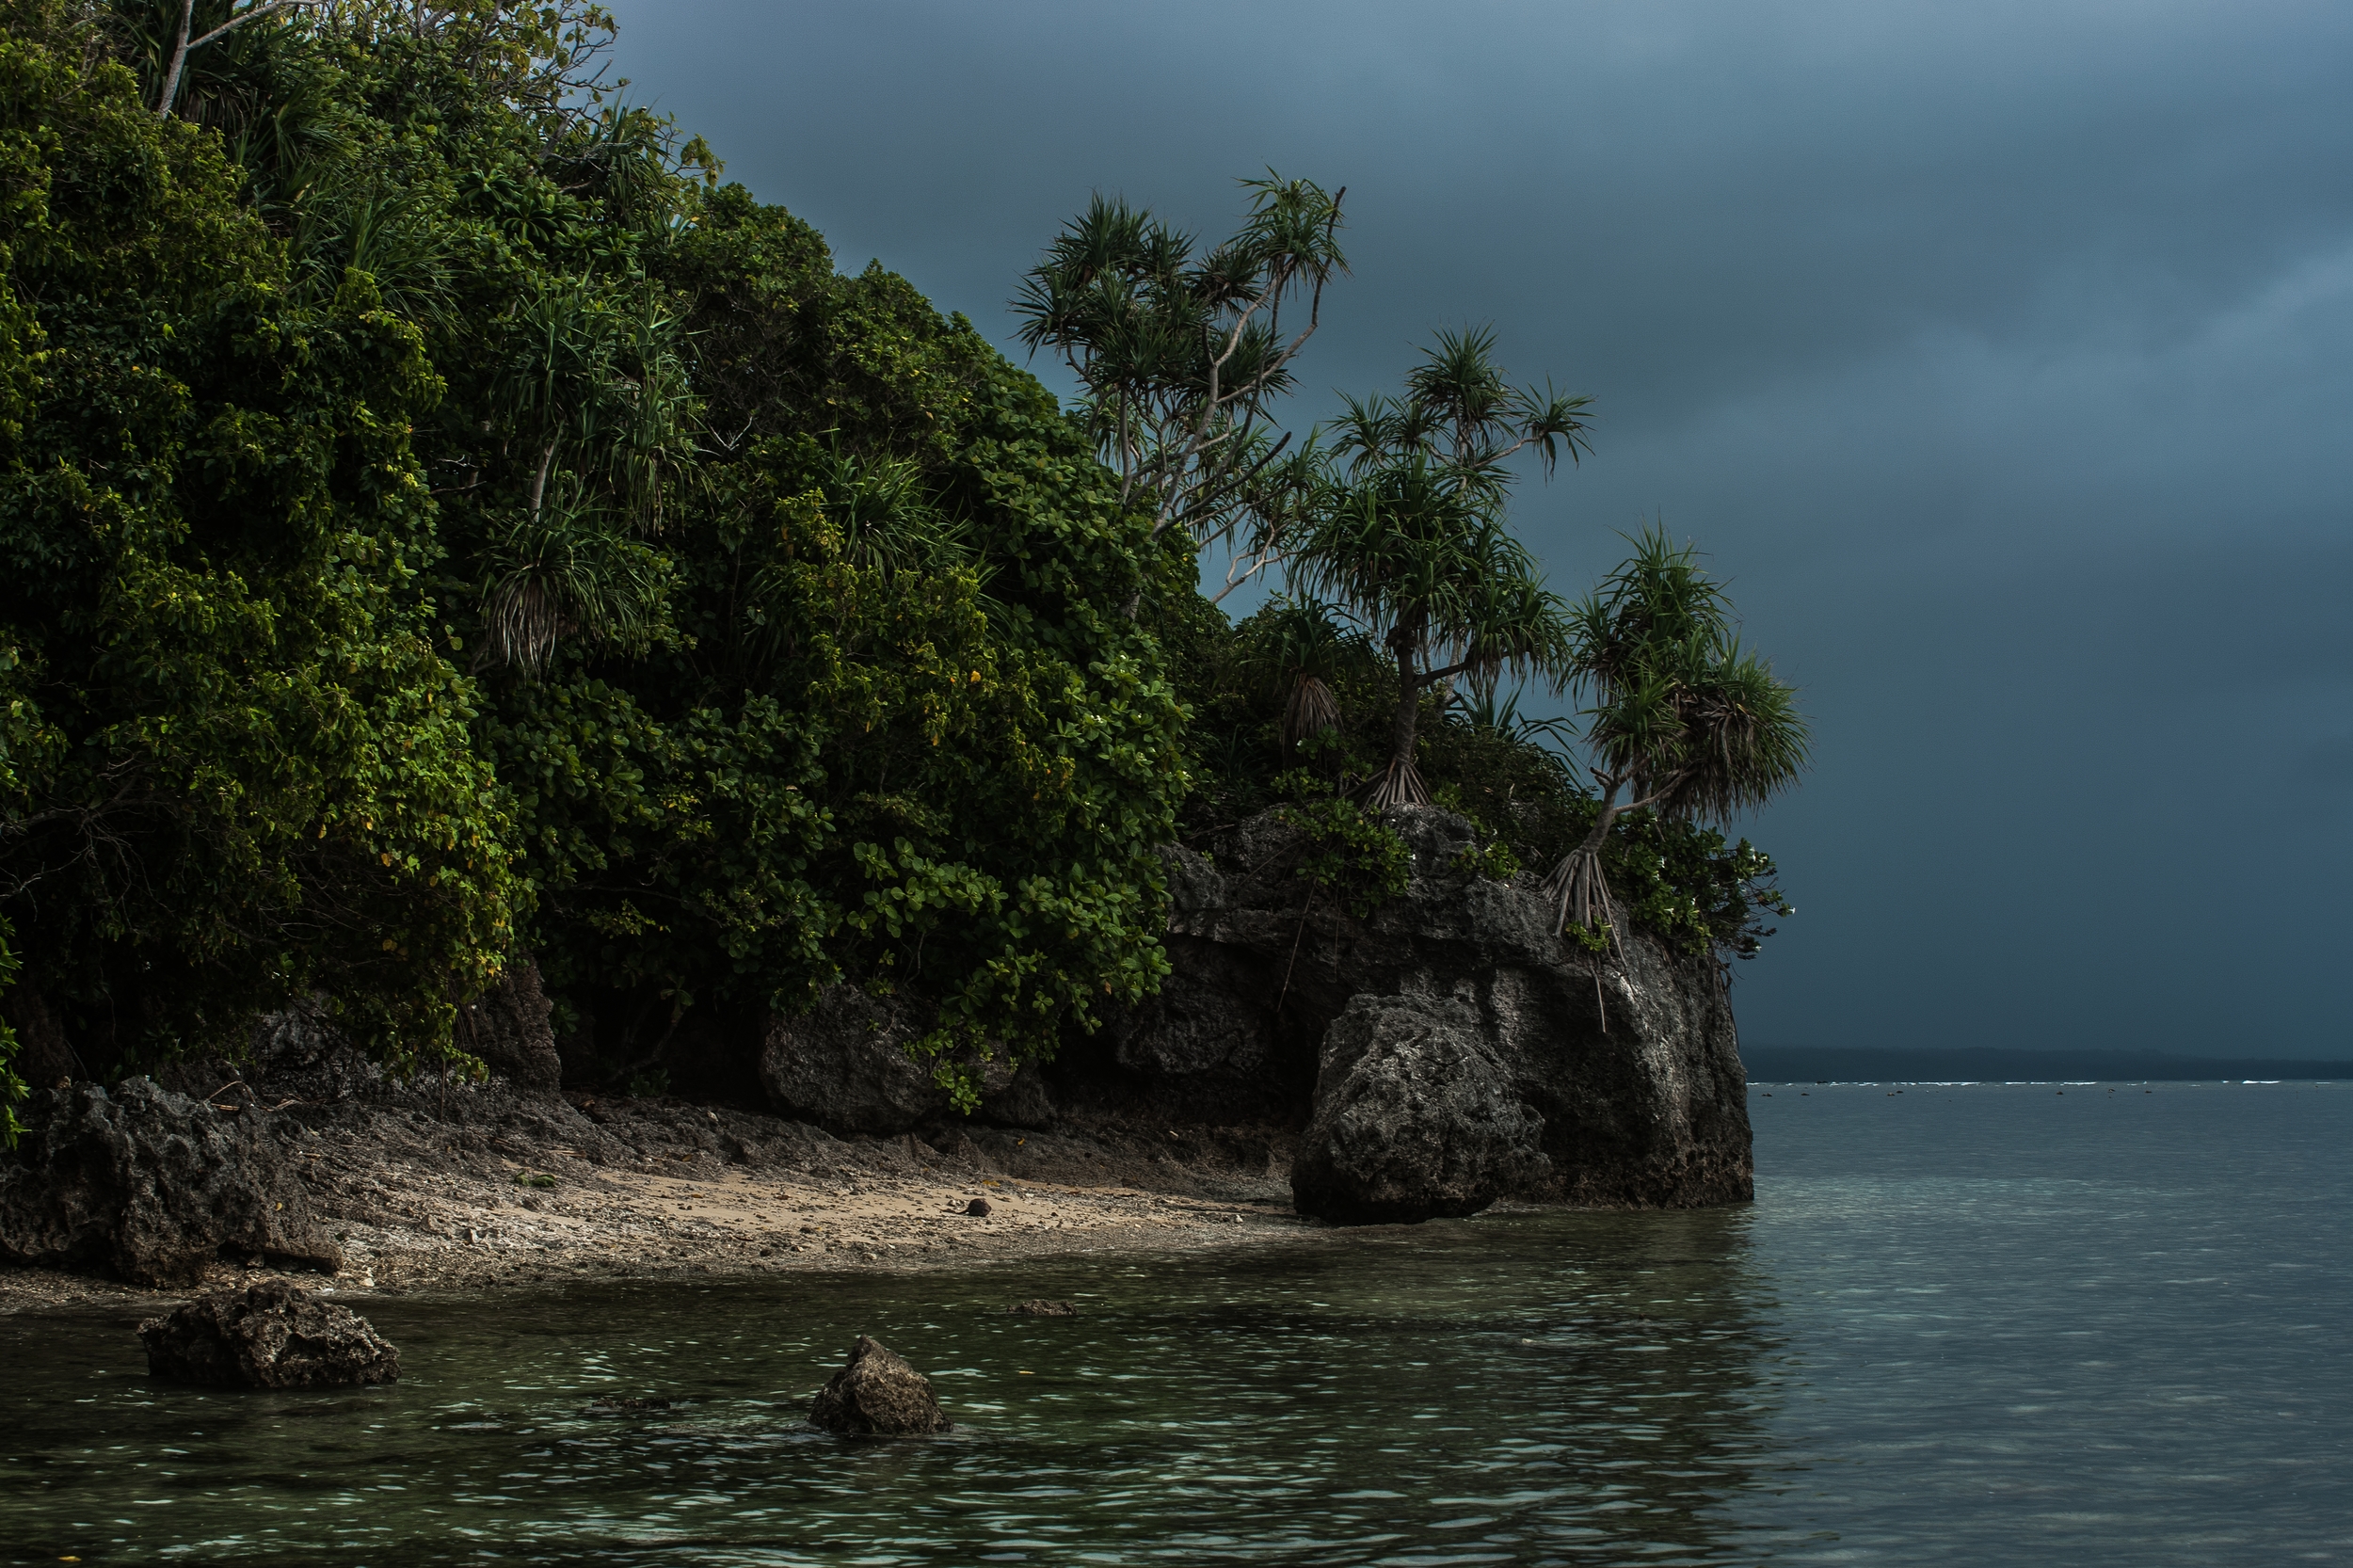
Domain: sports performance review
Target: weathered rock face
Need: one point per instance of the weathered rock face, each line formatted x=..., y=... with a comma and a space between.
x=43, y=1057
x=270, y=1336
x=150, y=1186
x=296, y=1054
x=508, y=1028
x=1628, y=1064
x=877, y=1395
x=1415, y=1118
x=845, y=1064
x=1631, y=1063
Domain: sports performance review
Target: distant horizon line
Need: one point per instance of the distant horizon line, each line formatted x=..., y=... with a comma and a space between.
x=1823, y=1063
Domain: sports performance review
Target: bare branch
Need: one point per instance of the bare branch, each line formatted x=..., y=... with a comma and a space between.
x=186, y=45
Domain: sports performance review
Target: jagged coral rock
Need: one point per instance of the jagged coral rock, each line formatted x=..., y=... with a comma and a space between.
x=877, y=1395
x=273, y=1335
x=1630, y=1060
x=150, y=1186
x=1415, y=1118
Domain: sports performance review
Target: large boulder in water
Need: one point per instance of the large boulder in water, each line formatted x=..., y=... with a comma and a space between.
x=1630, y=1060
x=1415, y=1118
x=273, y=1335
x=877, y=1395
x=150, y=1186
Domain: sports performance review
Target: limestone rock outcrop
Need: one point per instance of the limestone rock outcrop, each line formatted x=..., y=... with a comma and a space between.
x=1610, y=1081
x=150, y=1186
x=844, y=1065
x=1630, y=1061
x=1415, y=1118
x=273, y=1335
x=508, y=1027
x=877, y=1395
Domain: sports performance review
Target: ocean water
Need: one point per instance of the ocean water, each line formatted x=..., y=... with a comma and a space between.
x=1988, y=1324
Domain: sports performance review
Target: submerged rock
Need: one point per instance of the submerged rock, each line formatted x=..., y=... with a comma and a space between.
x=1415, y=1118
x=273, y=1335
x=1037, y=1307
x=877, y=1394
x=150, y=1186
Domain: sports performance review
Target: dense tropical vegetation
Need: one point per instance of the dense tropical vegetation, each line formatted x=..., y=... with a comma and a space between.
x=439, y=522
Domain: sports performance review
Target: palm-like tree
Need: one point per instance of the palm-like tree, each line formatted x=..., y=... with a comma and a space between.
x=1409, y=535
x=596, y=390
x=1685, y=721
x=1181, y=351
x=1300, y=649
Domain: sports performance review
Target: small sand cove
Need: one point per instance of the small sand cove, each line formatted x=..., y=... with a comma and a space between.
x=488, y=1189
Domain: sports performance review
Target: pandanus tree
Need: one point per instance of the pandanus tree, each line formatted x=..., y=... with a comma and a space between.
x=601, y=428
x=1409, y=536
x=1685, y=721
x=1181, y=350
x=1302, y=648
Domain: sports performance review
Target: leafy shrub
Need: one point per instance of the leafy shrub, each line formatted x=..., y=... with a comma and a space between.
x=1681, y=882
x=1357, y=858
x=448, y=526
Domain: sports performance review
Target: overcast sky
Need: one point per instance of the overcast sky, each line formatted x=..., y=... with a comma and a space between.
x=2000, y=354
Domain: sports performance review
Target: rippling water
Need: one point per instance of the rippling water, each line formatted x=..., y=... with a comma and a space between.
x=1970, y=1325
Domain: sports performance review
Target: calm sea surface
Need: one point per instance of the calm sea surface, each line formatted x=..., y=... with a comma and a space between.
x=1996, y=1324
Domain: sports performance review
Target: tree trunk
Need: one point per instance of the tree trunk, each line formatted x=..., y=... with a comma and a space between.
x=1408, y=710
x=1400, y=783
x=1578, y=884
x=186, y=45
x=179, y=63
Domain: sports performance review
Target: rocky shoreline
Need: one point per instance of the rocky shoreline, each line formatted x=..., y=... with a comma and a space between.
x=490, y=1187
x=1302, y=1070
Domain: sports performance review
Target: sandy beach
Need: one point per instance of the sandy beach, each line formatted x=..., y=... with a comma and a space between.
x=489, y=1190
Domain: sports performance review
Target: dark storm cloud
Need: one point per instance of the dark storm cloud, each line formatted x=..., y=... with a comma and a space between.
x=2003, y=355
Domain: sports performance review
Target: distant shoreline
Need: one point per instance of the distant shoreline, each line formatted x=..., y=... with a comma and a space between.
x=1800, y=1064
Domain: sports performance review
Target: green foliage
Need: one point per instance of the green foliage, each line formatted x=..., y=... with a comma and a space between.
x=1684, y=882
x=904, y=730
x=1357, y=858
x=1407, y=533
x=1181, y=351
x=1684, y=716
x=1678, y=880
x=12, y=1086
x=1493, y=860
x=441, y=523
x=239, y=764
x=1689, y=721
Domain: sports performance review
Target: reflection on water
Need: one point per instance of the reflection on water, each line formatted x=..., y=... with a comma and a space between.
x=1505, y=1390
x=2006, y=1325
